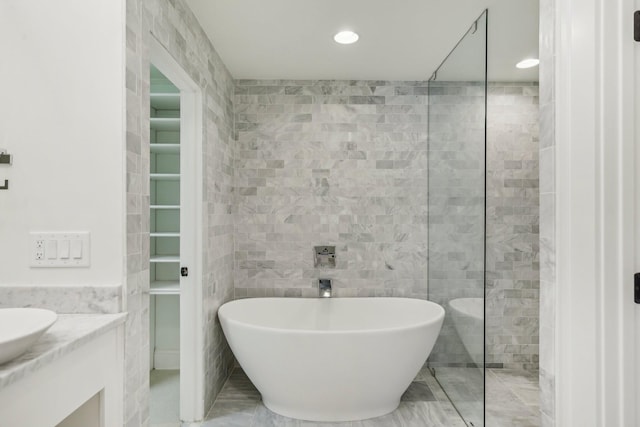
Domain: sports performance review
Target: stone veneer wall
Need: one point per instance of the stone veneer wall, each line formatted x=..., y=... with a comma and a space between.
x=331, y=163
x=173, y=24
x=513, y=271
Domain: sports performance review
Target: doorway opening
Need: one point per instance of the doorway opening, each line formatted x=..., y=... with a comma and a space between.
x=175, y=279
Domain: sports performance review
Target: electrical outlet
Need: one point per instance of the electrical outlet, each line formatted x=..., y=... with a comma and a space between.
x=39, y=252
x=75, y=249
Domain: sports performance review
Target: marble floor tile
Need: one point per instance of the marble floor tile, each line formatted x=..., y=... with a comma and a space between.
x=390, y=420
x=324, y=424
x=515, y=421
x=465, y=388
x=430, y=414
x=238, y=413
x=164, y=403
x=239, y=387
x=239, y=404
x=438, y=393
x=266, y=418
x=523, y=384
x=511, y=401
x=512, y=398
x=418, y=391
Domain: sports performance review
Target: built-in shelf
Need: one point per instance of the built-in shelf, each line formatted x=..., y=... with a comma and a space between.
x=164, y=234
x=165, y=101
x=165, y=148
x=165, y=123
x=165, y=176
x=165, y=220
x=165, y=258
x=165, y=287
x=165, y=207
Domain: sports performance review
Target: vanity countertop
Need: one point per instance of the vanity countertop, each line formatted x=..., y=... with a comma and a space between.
x=68, y=333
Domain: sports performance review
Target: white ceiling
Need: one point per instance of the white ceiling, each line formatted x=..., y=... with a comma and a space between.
x=399, y=40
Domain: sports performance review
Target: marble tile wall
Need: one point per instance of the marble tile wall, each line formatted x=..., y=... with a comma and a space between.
x=345, y=163
x=457, y=217
x=136, y=362
x=339, y=163
x=64, y=299
x=547, y=212
x=173, y=24
x=512, y=249
x=456, y=207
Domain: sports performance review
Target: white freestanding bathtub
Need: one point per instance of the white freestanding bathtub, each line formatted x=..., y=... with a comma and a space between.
x=468, y=319
x=331, y=359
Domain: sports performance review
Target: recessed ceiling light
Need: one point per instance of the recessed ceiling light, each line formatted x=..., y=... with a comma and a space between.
x=346, y=37
x=528, y=63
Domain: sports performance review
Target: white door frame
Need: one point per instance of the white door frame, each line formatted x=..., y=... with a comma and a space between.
x=191, y=196
x=595, y=333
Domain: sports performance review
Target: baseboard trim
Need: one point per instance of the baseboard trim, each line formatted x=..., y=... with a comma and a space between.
x=166, y=359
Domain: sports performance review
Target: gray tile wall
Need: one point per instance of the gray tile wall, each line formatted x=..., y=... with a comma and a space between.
x=64, y=299
x=316, y=162
x=331, y=163
x=136, y=363
x=172, y=23
x=513, y=271
x=456, y=206
x=345, y=163
x=547, y=213
x=457, y=216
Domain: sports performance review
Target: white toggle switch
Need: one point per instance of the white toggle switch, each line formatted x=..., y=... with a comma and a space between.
x=63, y=249
x=76, y=249
x=51, y=250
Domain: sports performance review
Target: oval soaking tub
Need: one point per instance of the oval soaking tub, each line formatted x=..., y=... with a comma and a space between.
x=331, y=359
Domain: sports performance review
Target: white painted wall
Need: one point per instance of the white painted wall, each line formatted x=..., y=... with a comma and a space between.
x=62, y=117
x=167, y=332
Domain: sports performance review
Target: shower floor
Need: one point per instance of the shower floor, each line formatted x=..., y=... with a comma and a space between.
x=424, y=404
x=513, y=398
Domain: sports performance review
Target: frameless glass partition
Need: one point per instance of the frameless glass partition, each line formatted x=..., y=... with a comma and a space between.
x=457, y=145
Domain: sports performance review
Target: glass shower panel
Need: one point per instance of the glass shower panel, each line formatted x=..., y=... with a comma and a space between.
x=457, y=141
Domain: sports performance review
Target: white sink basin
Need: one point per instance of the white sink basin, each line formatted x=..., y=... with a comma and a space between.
x=20, y=328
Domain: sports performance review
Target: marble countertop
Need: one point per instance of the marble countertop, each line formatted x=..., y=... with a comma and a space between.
x=68, y=333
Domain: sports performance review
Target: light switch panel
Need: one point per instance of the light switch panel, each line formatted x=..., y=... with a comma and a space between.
x=63, y=249
x=76, y=249
x=51, y=249
x=59, y=249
